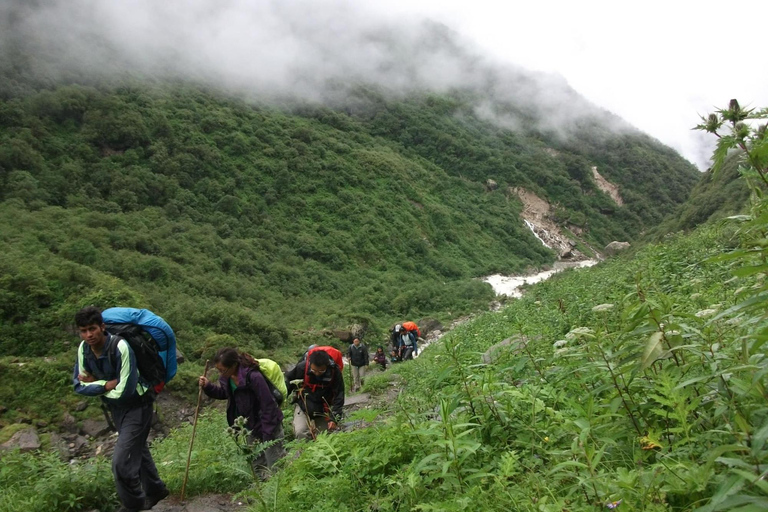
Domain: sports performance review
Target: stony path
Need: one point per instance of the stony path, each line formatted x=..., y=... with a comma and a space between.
x=204, y=503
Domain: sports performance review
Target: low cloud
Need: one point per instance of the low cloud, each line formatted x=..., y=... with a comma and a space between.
x=277, y=49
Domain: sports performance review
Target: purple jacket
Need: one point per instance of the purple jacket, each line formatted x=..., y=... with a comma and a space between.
x=252, y=399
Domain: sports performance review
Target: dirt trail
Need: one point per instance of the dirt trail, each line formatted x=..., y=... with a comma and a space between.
x=202, y=503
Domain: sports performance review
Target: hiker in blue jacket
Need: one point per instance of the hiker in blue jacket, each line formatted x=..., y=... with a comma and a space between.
x=116, y=380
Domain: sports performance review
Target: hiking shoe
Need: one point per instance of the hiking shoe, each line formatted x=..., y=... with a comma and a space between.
x=153, y=499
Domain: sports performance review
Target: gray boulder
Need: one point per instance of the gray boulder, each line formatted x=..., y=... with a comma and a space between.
x=95, y=428
x=25, y=440
x=59, y=445
x=69, y=423
x=180, y=356
x=614, y=248
x=345, y=336
x=78, y=445
x=491, y=184
x=513, y=344
x=427, y=325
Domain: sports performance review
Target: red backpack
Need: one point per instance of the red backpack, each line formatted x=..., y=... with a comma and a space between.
x=336, y=357
x=410, y=327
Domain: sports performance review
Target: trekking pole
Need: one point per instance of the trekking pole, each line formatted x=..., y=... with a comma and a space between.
x=194, y=428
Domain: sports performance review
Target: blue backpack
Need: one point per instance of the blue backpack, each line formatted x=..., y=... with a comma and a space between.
x=151, y=339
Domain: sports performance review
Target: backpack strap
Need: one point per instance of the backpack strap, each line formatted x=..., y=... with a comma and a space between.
x=111, y=348
x=276, y=394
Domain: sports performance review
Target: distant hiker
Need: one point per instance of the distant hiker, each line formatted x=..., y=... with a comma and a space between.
x=320, y=395
x=304, y=357
x=406, y=343
x=358, y=360
x=380, y=358
x=129, y=401
x=394, y=338
x=249, y=394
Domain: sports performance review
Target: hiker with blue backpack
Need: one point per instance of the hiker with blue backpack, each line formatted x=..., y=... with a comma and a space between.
x=107, y=367
x=254, y=396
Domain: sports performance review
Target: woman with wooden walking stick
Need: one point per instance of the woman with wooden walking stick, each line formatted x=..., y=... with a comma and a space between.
x=194, y=429
x=248, y=394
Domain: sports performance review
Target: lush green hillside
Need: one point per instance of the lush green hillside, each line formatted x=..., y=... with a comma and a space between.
x=622, y=383
x=248, y=221
x=716, y=196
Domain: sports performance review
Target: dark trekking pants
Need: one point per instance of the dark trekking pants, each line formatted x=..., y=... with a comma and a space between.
x=262, y=464
x=132, y=465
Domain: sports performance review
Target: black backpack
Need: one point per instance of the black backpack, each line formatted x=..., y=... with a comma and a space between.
x=148, y=361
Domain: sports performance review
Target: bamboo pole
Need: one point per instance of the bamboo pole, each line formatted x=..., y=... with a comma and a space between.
x=194, y=428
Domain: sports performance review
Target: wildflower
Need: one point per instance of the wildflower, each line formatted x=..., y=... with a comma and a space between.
x=560, y=343
x=672, y=332
x=613, y=504
x=704, y=313
x=579, y=331
x=546, y=439
x=602, y=307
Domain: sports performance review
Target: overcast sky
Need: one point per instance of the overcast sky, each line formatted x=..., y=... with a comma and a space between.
x=656, y=64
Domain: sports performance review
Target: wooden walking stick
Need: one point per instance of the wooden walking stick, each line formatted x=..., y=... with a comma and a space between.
x=194, y=428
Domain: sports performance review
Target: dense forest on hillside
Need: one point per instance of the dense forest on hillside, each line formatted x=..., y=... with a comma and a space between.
x=240, y=219
x=715, y=196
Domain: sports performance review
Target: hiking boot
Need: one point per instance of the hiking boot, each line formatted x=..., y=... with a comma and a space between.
x=153, y=499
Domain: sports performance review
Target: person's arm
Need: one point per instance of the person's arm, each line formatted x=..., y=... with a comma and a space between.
x=271, y=416
x=87, y=386
x=295, y=373
x=337, y=407
x=216, y=391
x=127, y=372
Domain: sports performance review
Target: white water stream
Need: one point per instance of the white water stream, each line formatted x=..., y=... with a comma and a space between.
x=510, y=285
x=533, y=230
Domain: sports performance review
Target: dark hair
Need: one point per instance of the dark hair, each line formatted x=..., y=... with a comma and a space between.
x=229, y=357
x=379, y=348
x=89, y=315
x=320, y=358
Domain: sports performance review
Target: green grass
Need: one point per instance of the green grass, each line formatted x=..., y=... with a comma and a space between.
x=590, y=411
